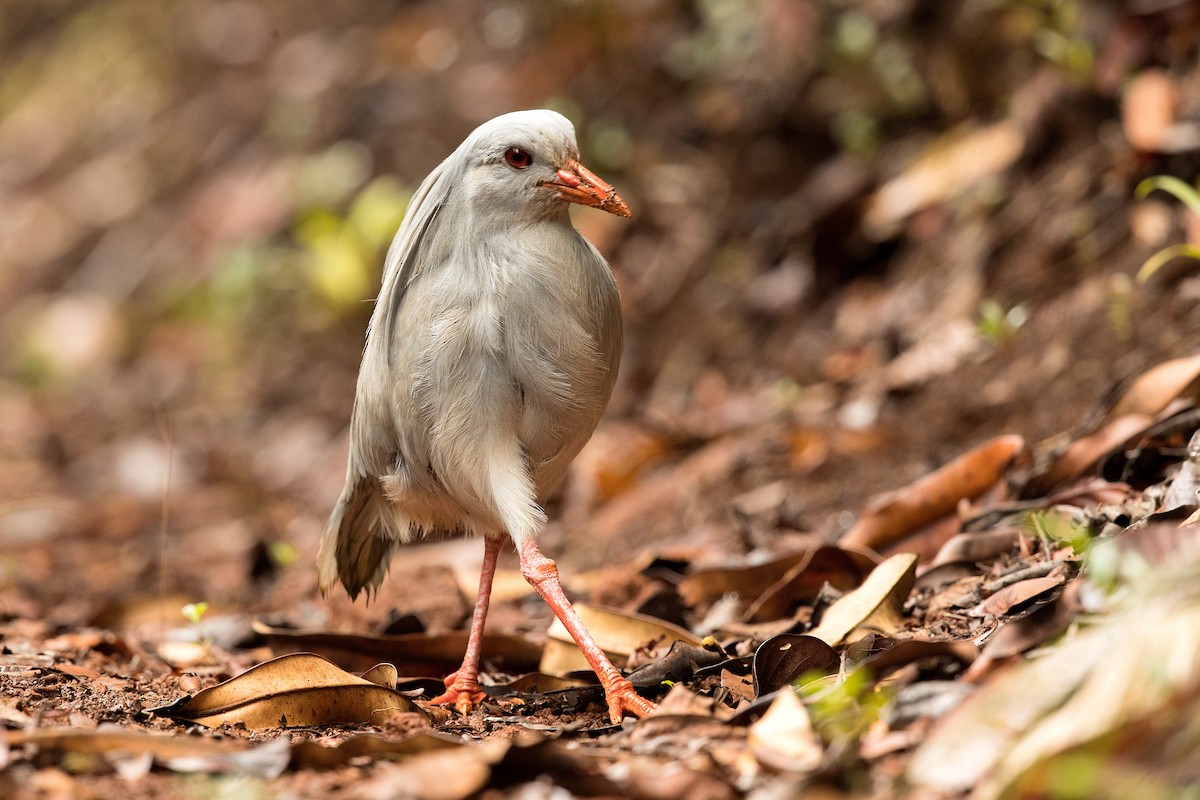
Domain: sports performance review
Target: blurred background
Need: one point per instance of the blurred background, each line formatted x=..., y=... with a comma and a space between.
x=865, y=236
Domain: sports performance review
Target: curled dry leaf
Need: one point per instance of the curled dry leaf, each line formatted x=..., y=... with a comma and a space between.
x=290, y=691
x=782, y=660
x=617, y=633
x=878, y=602
x=679, y=664
x=903, y=511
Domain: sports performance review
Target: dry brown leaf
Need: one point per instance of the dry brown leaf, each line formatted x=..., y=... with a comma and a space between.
x=709, y=583
x=178, y=753
x=1148, y=109
x=890, y=518
x=841, y=569
x=310, y=754
x=411, y=653
x=784, y=739
x=439, y=774
x=880, y=599
x=1153, y=390
x=1083, y=453
x=671, y=486
x=784, y=659
x=290, y=691
x=618, y=634
x=976, y=547
x=908, y=651
x=950, y=166
x=1130, y=666
x=1016, y=595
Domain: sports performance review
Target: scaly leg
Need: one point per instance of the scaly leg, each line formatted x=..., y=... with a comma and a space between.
x=542, y=573
x=462, y=685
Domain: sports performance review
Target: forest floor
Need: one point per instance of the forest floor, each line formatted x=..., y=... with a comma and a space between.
x=912, y=519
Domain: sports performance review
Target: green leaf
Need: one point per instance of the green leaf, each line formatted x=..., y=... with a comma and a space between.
x=1173, y=186
x=194, y=612
x=1156, y=261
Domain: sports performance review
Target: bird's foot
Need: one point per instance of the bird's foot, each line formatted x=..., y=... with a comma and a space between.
x=462, y=693
x=623, y=699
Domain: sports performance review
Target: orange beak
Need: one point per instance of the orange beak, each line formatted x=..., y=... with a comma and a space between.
x=575, y=183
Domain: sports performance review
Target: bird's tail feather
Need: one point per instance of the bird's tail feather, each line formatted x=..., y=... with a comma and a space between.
x=359, y=540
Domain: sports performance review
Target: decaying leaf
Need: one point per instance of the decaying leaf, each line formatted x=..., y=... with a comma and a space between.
x=903, y=511
x=295, y=690
x=880, y=599
x=617, y=633
x=784, y=659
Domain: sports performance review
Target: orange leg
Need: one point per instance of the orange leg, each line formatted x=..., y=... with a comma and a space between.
x=462, y=685
x=542, y=574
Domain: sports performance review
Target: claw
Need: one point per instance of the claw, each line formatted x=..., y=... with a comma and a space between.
x=464, y=695
x=622, y=698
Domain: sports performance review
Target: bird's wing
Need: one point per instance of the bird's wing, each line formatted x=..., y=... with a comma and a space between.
x=402, y=263
x=365, y=528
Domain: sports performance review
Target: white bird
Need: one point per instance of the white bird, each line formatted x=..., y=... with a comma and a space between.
x=490, y=356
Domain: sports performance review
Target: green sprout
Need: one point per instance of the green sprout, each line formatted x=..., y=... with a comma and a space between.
x=194, y=612
x=997, y=325
x=844, y=711
x=1190, y=197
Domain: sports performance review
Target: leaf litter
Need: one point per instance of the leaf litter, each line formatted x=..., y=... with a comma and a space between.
x=804, y=335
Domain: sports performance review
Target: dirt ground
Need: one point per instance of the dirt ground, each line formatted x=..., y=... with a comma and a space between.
x=867, y=238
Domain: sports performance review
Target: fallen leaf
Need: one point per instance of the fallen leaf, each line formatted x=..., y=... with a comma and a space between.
x=1148, y=109
x=617, y=633
x=1085, y=452
x=295, y=690
x=1153, y=390
x=952, y=165
x=439, y=774
x=903, y=511
x=175, y=752
x=841, y=569
x=784, y=739
x=1017, y=595
x=309, y=754
x=881, y=596
x=782, y=660
x=1130, y=666
x=411, y=654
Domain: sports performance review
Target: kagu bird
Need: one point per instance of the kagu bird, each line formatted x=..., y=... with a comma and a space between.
x=490, y=356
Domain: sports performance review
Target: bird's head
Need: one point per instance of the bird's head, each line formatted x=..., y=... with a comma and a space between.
x=526, y=165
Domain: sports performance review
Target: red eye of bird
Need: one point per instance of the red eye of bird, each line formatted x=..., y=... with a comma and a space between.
x=518, y=158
